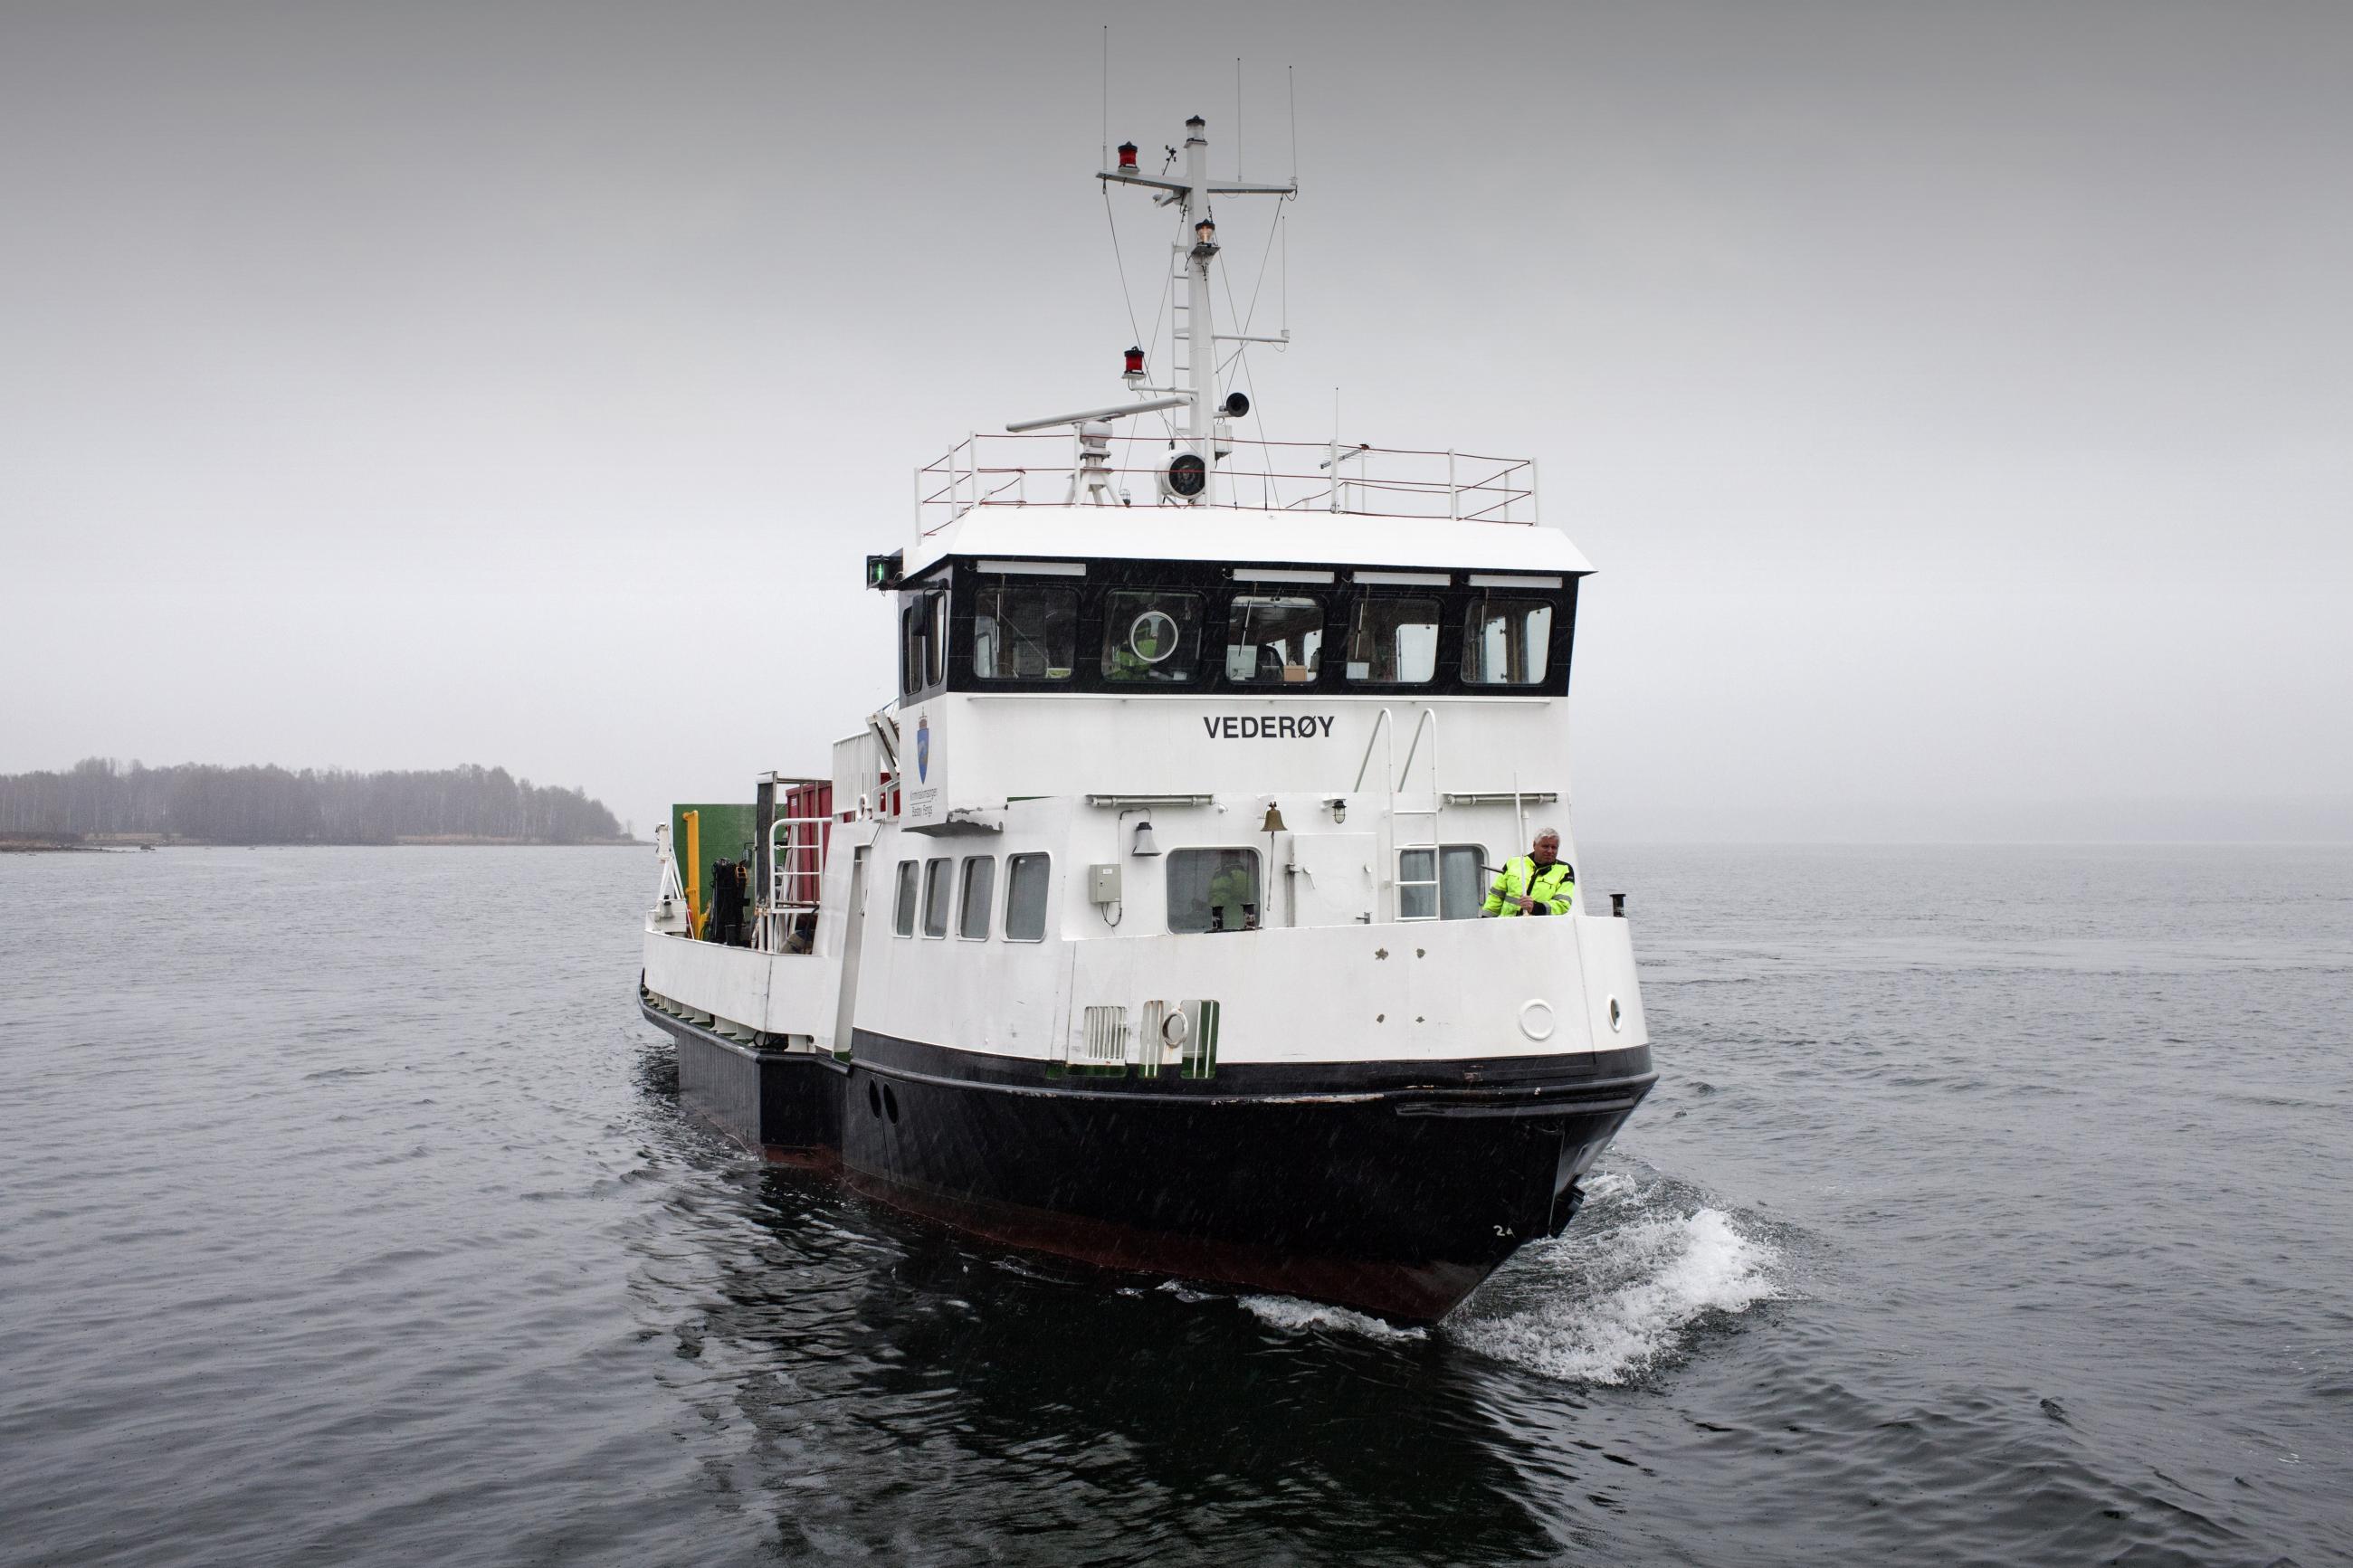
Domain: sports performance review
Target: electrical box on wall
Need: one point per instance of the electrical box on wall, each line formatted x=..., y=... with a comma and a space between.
x=1103, y=884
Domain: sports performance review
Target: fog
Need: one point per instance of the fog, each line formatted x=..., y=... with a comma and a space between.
x=1958, y=401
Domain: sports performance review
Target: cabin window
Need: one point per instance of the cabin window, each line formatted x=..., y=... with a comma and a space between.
x=972, y=906
x=1213, y=889
x=1505, y=642
x=1393, y=641
x=938, y=878
x=1150, y=635
x=1025, y=898
x=1447, y=883
x=1417, y=884
x=1463, y=881
x=902, y=914
x=1022, y=631
x=1270, y=640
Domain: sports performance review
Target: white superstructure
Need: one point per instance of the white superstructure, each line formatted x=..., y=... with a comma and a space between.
x=1193, y=771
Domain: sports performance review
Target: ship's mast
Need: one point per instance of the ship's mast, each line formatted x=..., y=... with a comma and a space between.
x=1201, y=348
x=1191, y=197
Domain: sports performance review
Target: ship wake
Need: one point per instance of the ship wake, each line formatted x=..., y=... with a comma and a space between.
x=1647, y=1269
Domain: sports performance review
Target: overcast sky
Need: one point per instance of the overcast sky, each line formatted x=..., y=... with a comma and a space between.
x=1957, y=399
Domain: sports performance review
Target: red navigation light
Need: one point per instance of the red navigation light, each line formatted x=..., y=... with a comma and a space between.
x=1134, y=362
x=1127, y=157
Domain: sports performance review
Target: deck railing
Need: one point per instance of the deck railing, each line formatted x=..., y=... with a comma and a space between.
x=1042, y=469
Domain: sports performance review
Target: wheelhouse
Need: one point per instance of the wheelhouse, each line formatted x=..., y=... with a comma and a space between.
x=1132, y=628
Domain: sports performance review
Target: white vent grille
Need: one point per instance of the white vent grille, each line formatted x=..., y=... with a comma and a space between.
x=1148, y=1035
x=1104, y=1042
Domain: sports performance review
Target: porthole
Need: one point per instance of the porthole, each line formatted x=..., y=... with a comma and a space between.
x=1616, y=1019
x=873, y=1097
x=890, y=1103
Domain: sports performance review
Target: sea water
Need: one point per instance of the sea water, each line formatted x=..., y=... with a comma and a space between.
x=1995, y=1204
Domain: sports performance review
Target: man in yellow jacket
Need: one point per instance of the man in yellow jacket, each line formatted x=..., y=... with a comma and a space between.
x=1537, y=883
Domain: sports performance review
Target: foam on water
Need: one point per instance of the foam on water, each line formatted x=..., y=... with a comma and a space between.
x=1293, y=1316
x=1622, y=1291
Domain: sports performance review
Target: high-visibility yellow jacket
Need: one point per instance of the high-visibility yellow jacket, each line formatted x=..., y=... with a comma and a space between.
x=1551, y=887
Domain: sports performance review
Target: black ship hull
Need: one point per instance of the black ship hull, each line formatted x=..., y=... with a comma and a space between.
x=1391, y=1188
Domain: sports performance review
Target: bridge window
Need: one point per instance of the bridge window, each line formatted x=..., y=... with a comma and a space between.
x=902, y=915
x=924, y=644
x=1213, y=889
x=1271, y=640
x=1025, y=897
x=972, y=907
x=1021, y=631
x=1505, y=642
x=911, y=648
x=1394, y=641
x=1149, y=635
x=937, y=877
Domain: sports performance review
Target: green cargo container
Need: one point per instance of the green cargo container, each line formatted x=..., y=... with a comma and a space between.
x=728, y=833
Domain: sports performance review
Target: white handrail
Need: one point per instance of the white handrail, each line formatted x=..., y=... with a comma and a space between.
x=791, y=857
x=1429, y=720
x=1381, y=726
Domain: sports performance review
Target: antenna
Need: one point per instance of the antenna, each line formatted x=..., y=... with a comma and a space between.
x=1291, y=82
x=1190, y=196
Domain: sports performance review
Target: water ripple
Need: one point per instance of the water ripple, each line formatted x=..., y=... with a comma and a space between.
x=1995, y=1207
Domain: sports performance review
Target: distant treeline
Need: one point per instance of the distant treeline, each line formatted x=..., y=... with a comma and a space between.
x=271, y=805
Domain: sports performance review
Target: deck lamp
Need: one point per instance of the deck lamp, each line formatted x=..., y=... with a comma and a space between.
x=1143, y=844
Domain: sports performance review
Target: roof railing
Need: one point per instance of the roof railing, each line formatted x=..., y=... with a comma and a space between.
x=1347, y=478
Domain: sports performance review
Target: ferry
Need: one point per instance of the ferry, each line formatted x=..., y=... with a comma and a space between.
x=1150, y=922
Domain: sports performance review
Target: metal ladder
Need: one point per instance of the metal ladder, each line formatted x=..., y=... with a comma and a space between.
x=1397, y=814
x=1394, y=780
x=1180, y=318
